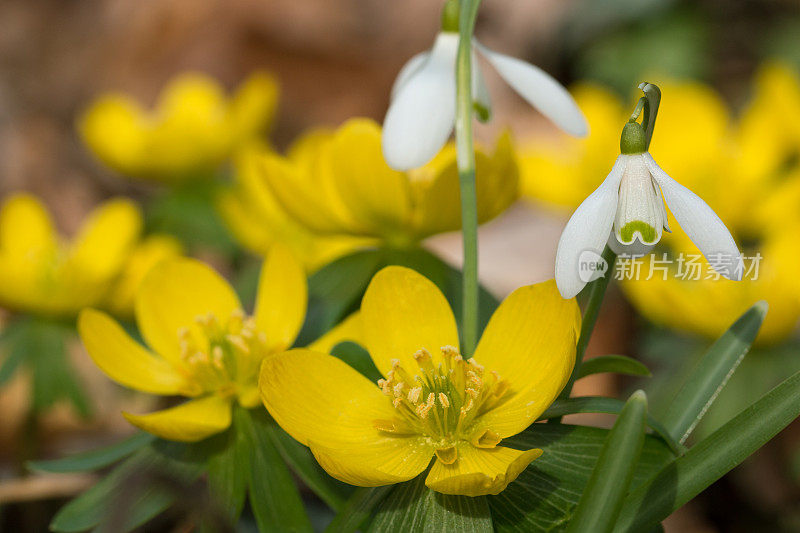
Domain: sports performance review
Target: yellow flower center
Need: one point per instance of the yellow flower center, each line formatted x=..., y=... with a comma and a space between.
x=443, y=402
x=222, y=356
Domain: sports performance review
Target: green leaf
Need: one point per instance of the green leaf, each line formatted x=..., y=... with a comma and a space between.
x=412, y=507
x=44, y=344
x=300, y=459
x=141, y=487
x=599, y=404
x=188, y=212
x=710, y=459
x=94, y=459
x=616, y=364
x=357, y=357
x=603, y=496
x=357, y=509
x=711, y=373
x=545, y=494
x=228, y=470
x=274, y=498
x=335, y=290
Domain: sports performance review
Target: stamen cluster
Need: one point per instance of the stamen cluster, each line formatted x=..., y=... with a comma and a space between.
x=443, y=401
x=220, y=356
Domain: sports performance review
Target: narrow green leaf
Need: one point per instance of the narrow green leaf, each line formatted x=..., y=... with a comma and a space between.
x=274, y=497
x=710, y=459
x=358, y=358
x=94, y=459
x=141, y=487
x=414, y=508
x=228, y=470
x=712, y=373
x=15, y=352
x=546, y=493
x=599, y=404
x=603, y=496
x=357, y=509
x=616, y=364
x=333, y=492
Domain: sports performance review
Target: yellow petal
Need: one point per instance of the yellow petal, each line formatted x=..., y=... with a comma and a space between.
x=299, y=197
x=397, y=460
x=349, y=329
x=377, y=196
x=175, y=293
x=326, y=405
x=147, y=254
x=478, y=472
x=114, y=128
x=123, y=359
x=189, y=422
x=106, y=238
x=282, y=298
x=496, y=181
x=402, y=312
x=252, y=108
x=25, y=226
x=530, y=341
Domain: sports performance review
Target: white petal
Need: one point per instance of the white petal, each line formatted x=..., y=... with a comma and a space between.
x=421, y=116
x=409, y=69
x=480, y=93
x=700, y=223
x=541, y=90
x=587, y=231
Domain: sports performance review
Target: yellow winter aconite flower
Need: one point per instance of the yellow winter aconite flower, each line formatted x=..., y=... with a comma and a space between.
x=257, y=220
x=202, y=345
x=192, y=130
x=43, y=273
x=337, y=183
x=431, y=402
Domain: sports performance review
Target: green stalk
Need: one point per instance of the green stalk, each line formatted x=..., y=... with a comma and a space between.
x=597, y=290
x=466, y=174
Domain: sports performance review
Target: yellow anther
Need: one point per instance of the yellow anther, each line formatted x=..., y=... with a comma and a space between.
x=414, y=394
x=472, y=393
x=398, y=389
x=238, y=342
x=467, y=406
x=477, y=365
x=444, y=400
x=431, y=400
x=422, y=356
x=395, y=363
x=397, y=402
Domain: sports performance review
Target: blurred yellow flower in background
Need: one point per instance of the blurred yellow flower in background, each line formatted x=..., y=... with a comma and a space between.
x=432, y=403
x=203, y=344
x=338, y=184
x=42, y=273
x=257, y=220
x=746, y=169
x=191, y=131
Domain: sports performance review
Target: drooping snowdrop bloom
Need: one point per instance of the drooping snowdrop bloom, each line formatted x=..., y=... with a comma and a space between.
x=422, y=112
x=627, y=212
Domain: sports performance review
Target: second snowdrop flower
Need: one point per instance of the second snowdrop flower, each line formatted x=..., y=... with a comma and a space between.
x=422, y=112
x=627, y=212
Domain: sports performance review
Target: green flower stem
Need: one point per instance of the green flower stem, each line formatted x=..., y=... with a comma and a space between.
x=596, y=290
x=466, y=174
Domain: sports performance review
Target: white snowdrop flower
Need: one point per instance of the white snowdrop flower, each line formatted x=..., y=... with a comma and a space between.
x=422, y=112
x=627, y=212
